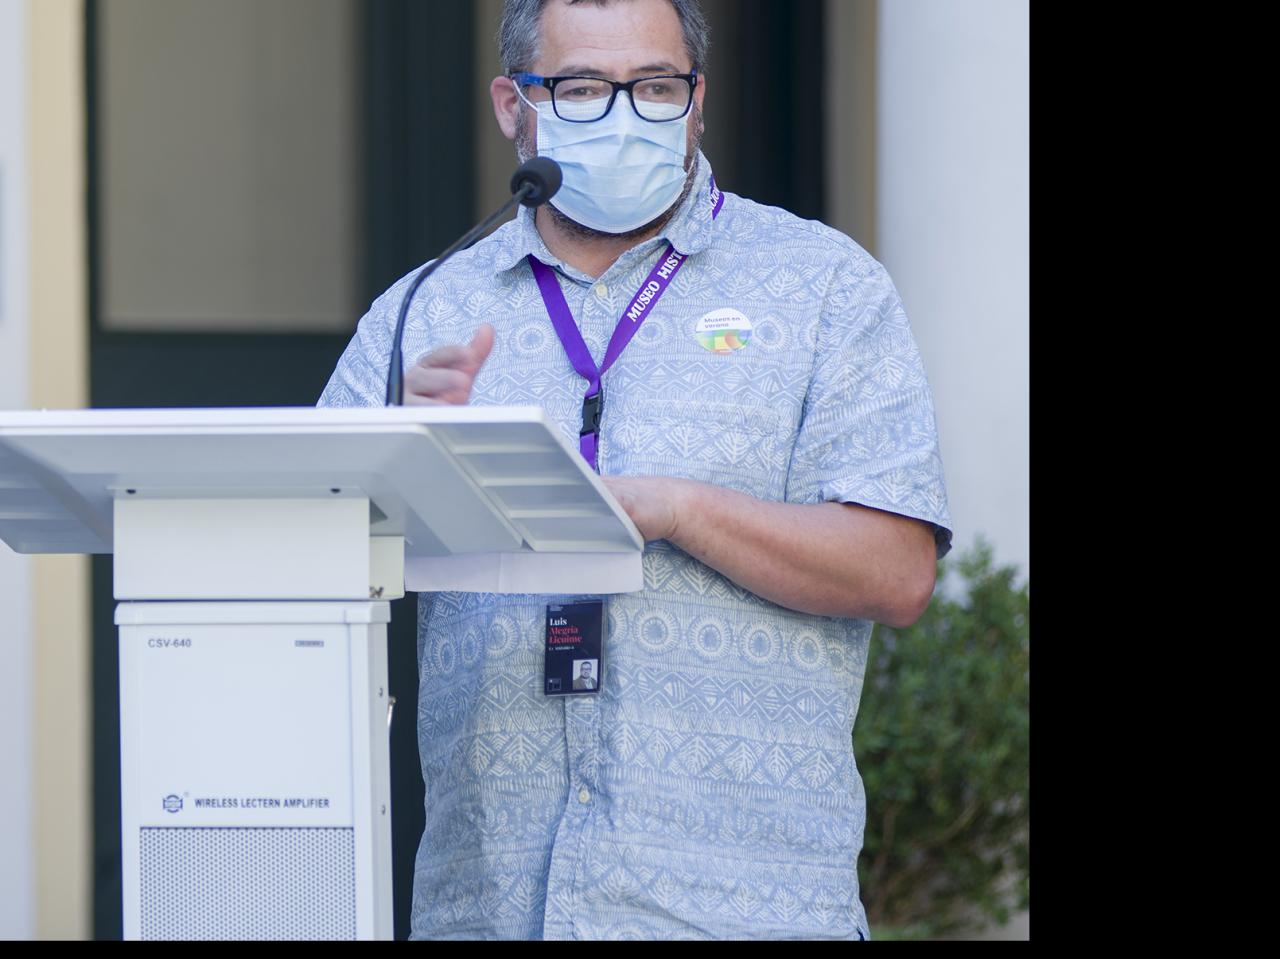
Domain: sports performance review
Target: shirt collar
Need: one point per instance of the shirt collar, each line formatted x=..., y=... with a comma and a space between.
x=689, y=231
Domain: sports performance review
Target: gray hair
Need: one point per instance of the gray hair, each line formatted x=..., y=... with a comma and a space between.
x=518, y=35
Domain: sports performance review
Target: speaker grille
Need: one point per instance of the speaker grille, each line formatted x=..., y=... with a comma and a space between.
x=249, y=883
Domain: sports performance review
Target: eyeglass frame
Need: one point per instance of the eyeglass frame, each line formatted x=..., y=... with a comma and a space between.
x=550, y=83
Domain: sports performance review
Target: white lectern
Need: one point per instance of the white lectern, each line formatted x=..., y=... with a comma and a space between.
x=255, y=554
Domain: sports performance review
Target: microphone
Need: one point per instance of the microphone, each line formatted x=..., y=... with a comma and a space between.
x=534, y=183
x=543, y=175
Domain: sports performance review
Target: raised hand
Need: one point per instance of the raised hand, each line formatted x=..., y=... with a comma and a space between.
x=445, y=376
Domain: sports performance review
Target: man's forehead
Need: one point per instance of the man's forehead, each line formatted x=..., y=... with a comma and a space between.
x=622, y=38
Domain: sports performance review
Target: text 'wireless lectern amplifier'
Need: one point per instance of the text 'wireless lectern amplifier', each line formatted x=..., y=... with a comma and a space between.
x=255, y=552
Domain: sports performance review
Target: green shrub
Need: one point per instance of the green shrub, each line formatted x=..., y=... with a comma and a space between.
x=943, y=744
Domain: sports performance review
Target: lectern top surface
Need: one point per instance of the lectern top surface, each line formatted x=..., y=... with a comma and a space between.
x=18, y=421
x=452, y=480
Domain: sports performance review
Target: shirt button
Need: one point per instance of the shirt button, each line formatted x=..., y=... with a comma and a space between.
x=584, y=795
x=601, y=291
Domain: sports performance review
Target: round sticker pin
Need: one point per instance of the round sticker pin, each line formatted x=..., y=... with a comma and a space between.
x=723, y=331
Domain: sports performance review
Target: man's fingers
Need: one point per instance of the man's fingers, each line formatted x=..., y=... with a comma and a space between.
x=413, y=399
x=482, y=344
x=470, y=357
x=446, y=385
x=447, y=357
x=445, y=375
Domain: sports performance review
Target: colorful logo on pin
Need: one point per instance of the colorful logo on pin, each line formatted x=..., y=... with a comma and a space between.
x=723, y=331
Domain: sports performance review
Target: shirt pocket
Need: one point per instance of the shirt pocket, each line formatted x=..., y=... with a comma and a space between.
x=743, y=447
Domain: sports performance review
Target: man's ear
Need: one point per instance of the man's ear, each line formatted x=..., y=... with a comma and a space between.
x=506, y=105
x=699, y=97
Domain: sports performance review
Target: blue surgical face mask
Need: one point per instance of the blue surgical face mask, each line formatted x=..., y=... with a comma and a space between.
x=620, y=172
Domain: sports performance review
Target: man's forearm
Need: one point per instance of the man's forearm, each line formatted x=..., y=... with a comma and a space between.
x=830, y=559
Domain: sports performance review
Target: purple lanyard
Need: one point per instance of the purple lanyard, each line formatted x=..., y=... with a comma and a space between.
x=641, y=305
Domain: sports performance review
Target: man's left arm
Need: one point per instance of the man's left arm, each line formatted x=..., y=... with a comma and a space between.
x=830, y=559
x=864, y=517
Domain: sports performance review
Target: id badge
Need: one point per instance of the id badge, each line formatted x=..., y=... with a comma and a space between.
x=574, y=658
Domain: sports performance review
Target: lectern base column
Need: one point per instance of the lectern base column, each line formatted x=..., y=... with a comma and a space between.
x=255, y=779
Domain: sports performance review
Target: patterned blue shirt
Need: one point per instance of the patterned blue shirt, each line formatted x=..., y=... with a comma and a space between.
x=710, y=788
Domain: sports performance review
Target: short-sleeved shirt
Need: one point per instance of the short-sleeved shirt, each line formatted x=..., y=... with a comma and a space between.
x=710, y=788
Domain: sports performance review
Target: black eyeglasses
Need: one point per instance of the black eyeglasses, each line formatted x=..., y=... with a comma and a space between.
x=586, y=99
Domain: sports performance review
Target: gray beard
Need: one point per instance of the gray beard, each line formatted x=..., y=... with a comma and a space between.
x=526, y=150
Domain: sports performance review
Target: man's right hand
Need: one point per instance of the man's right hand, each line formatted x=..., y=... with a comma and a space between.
x=444, y=376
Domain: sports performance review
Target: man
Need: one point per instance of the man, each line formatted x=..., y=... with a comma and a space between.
x=769, y=429
x=585, y=678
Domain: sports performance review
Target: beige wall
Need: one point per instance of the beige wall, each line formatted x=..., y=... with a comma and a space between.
x=851, y=118
x=230, y=165
x=59, y=378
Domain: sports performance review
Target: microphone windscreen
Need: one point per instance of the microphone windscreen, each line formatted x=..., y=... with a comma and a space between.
x=543, y=175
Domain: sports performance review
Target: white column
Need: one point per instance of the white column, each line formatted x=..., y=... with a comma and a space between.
x=953, y=229
x=17, y=823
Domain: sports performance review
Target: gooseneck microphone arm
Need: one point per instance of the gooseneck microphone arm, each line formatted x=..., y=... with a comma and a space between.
x=534, y=183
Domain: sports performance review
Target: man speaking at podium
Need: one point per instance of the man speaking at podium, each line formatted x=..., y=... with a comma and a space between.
x=768, y=426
